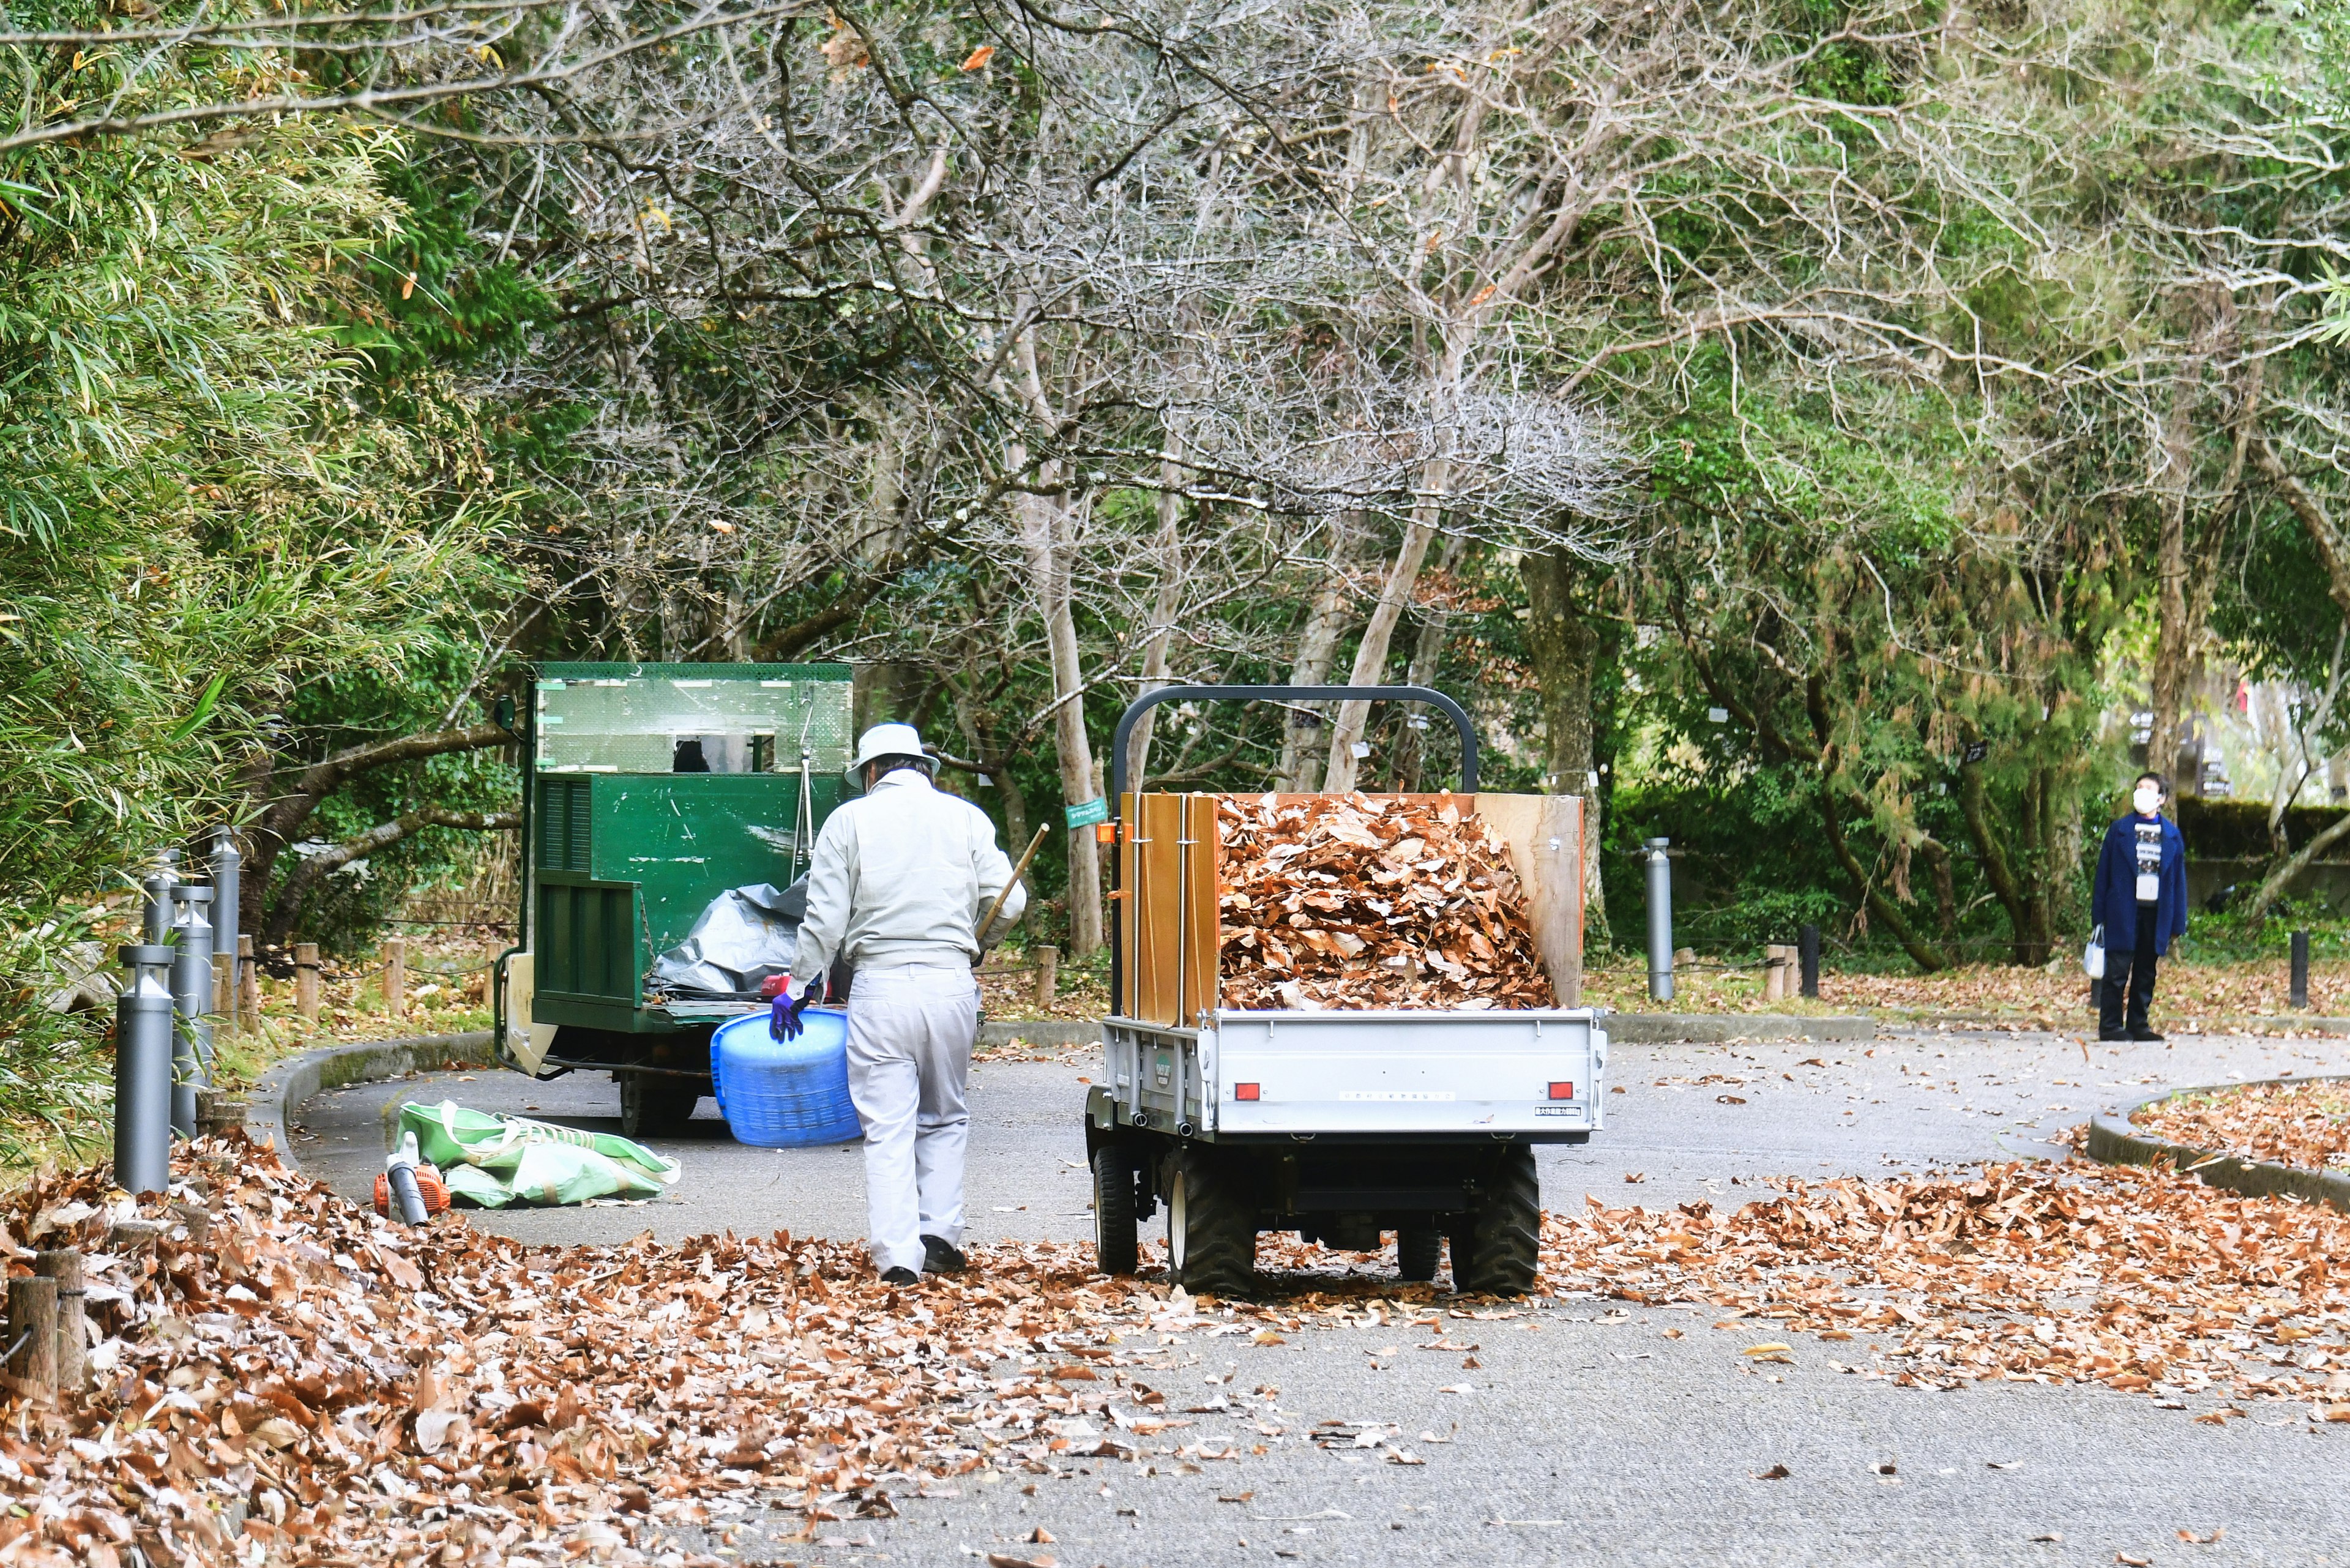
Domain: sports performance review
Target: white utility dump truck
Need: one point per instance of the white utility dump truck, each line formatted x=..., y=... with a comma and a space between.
x=1336, y=1124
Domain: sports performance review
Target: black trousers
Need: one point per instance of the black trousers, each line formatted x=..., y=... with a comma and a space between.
x=2130, y=975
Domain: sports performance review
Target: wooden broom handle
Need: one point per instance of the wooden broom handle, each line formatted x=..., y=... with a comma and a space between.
x=1017, y=872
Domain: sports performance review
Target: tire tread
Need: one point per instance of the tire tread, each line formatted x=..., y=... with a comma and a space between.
x=1220, y=1249
x=1505, y=1253
x=1117, y=1247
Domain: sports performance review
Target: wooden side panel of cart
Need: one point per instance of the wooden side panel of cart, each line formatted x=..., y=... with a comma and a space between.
x=1170, y=855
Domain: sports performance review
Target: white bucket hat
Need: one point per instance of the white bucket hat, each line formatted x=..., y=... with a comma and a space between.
x=887, y=741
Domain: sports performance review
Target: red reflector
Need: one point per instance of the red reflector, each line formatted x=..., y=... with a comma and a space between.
x=1244, y=1091
x=1562, y=1091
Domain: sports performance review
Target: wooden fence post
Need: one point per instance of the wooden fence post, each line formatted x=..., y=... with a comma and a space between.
x=306, y=981
x=64, y=1265
x=1048, y=975
x=32, y=1335
x=395, y=977
x=248, y=981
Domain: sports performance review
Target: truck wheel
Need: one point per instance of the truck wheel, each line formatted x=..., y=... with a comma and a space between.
x=1116, y=1247
x=654, y=1106
x=1211, y=1230
x=1416, y=1249
x=1505, y=1251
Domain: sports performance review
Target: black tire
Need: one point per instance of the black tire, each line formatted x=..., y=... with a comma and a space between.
x=1417, y=1251
x=653, y=1104
x=1506, y=1245
x=1117, y=1244
x=1211, y=1229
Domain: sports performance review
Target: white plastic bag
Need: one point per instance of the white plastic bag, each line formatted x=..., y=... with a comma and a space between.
x=2093, y=957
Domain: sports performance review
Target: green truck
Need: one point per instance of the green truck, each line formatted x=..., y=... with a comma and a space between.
x=649, y=791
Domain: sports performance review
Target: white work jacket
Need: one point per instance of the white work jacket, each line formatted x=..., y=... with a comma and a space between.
x=901, y=874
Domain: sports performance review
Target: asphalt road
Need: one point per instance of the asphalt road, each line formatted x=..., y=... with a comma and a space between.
x=1584, y=1432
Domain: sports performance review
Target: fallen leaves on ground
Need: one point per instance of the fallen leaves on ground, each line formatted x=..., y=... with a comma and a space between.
x=2306, y=1125
x=1356, y=901
x=358, y=1393
x=2000, y=995
x=362, y=1393
x=2138, y=1279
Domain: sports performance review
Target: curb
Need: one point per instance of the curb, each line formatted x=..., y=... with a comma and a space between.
x=284, y=1086
x=1057, y=1033
x=2113, y=1141
x=1720, y=1028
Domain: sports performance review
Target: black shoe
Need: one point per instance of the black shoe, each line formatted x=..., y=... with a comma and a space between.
x=940, y=1257
x=2107, y=1037
x=901, y=1277
x=2142, y=1034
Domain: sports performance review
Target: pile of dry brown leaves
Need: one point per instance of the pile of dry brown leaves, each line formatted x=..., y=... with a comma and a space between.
x=286, y=1376
x=2138, y=1279
x=1354, y=902
x=2286, y=1124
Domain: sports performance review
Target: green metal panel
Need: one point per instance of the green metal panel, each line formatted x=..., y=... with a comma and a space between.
x=626, y=855
x=587, y=939
x=685, y=838
x=563, y=814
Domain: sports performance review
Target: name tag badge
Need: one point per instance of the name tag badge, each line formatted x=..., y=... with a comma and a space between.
x=2148, y=887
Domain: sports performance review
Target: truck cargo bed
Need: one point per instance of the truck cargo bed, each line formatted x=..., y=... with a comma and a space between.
x=1533, y=1076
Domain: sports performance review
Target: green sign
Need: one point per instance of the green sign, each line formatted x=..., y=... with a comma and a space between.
x=1085, y=812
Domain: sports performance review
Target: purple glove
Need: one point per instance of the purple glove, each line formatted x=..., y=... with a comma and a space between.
x=784, y=1014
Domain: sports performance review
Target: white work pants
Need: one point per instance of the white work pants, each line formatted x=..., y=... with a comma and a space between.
x=911, y=1031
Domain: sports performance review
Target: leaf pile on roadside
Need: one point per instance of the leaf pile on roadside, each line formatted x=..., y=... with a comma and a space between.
x=353, y=1392
x=2306, y=1125
x=1353, y=901
x=2138, y=1279
x=2251, y=998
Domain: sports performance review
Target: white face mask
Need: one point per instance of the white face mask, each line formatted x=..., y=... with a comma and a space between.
x=2148, y=799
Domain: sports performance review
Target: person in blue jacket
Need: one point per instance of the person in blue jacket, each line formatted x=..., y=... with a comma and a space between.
x=2139, y=900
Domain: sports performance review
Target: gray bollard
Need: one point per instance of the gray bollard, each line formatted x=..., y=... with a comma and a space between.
x=142, y=1072
x=191, y=996
x=157, y=885
x=226, y=867
x=2301, y=969
x=1660, y=921
x=1810, y=947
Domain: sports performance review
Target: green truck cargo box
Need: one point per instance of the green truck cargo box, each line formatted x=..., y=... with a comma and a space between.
x=650, y=790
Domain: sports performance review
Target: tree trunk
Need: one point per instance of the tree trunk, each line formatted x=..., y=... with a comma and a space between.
x=2331, y=549
x=1045, y=526
x=1395, y=593
x=1563, y=646
x=1317, y=647
x=1427, y=660
x=2274, y=884
x=1157, y=650
x=2173, y=633
x=278, y=925
x=284, y=810
x=1923, y=953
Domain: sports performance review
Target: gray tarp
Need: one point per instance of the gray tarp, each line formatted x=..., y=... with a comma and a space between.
x=745, y=934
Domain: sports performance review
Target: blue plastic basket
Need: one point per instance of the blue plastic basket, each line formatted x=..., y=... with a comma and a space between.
x=785, y=1093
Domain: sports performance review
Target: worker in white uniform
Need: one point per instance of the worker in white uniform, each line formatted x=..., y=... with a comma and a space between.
x=900, y=878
